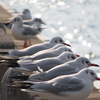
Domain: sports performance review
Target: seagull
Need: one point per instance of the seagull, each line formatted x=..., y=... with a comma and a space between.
x=25, y=15
x=66, y=87
x=51, y=52
x=67, y=68
x=23, y=32
x=38, y=47
x=50, y=62
x=35, y=21
x=46, y=54
x=53, y=61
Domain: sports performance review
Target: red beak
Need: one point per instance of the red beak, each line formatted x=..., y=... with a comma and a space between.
x=10, y=22
x=23, y=12
x=67, y=44
x=77, y=55
x=97, y=78
x=94, y=65
x=43, y=23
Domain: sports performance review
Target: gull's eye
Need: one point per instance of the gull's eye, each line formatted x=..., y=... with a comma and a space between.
x=56, y=41
x=36, y=19
x=73, y=57
x=61, y=41
x=87, y=62
x=92, y=73
x=39, y=20
x=69, y=50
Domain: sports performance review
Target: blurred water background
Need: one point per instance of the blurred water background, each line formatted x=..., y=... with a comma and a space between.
x=76, y=21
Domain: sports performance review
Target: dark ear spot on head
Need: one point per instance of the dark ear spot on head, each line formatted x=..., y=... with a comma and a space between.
x=92, y=73
x=73, y=57
x=55, y=41
x=82, y=61
x=61, y=41
x=68, y=56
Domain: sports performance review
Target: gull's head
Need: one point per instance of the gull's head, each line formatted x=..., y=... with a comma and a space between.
x=71, y=56
x=64, y=49
x=26, y=11
x=83, y=62
x=58, y=40
x=68, y=56
x=39, y=21
x=89, y=73
x=17, y=20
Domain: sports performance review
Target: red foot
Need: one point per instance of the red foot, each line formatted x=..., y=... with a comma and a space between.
x=25, y=45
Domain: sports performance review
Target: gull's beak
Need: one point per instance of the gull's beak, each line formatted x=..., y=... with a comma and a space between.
x=23, y=12
x=43, y=23
x=10, y=22
x=40, y=29
x=97, y=78
x=77, y=55
x=94, y=65
x=66, y=44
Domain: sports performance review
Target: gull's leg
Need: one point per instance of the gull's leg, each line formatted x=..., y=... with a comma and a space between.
x=29, y=40
x=25, y=44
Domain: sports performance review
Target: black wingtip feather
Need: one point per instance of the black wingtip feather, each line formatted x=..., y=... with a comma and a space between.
x=20, y=77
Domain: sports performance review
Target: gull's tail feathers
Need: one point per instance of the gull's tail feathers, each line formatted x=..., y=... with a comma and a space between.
x=8, y=59
x=22, y=84
x=20, y=77
x=8, y=64
x=8, y=24
x=24, y=70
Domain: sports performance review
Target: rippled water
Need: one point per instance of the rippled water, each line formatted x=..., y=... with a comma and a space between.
x=76, y=21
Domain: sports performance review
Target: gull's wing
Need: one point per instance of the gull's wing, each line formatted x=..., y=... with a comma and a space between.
x=29, y=22
x=63, y=85
x=69, y=84
x=29, y=31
